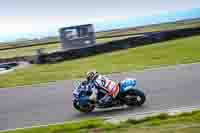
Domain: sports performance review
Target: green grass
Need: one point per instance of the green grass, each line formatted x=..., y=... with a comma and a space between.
x=173, y=52
x=153, y=28
x=26, y=51
x=163, y=123
x=105, y=40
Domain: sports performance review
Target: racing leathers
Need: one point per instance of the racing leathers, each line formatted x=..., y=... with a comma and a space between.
x=109, y=88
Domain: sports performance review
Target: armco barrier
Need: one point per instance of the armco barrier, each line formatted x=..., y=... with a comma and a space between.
x=146, y=38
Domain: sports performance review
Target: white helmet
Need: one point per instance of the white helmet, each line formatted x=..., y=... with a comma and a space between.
x=91, y=75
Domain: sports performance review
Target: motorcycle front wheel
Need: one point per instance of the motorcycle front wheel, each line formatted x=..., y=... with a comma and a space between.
x=85, y=109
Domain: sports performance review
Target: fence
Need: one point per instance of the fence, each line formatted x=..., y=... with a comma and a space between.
x=145, y=39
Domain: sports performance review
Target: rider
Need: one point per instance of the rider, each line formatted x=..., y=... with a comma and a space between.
x=104, y=85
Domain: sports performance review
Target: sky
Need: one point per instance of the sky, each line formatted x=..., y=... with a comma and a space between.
x=37, y=18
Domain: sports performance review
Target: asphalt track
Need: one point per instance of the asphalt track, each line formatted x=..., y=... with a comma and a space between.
x=168, y=87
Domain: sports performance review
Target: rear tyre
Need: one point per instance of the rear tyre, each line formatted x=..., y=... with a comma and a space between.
x=85, y=109
x=134, y=98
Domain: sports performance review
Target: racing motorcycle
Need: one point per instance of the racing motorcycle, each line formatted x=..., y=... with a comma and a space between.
x=128, y=95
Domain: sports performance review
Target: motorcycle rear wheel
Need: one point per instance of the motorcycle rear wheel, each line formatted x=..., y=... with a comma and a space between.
x=134, y=98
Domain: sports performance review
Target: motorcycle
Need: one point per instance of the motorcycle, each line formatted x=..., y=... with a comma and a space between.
x=128, y=95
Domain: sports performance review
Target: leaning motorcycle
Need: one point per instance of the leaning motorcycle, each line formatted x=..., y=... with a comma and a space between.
x=128, y=95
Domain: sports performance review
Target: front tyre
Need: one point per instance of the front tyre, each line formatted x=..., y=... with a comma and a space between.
x=134, y=97
x=85, y=109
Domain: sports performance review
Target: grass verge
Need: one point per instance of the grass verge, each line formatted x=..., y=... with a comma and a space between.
x=28, y=51
x=173, y=52
x=163, y=123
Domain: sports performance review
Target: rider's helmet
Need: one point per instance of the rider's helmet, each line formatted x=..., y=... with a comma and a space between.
x=90, y=76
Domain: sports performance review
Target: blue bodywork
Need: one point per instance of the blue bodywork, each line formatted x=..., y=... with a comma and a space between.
x=80, y=94
x=83, y=100
x=127, y=84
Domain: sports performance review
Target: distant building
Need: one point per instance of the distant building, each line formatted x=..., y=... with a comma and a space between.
x=76, y=37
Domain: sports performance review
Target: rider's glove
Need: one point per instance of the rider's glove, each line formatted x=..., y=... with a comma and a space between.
x=93, y=96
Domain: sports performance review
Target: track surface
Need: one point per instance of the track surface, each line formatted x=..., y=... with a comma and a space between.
x=169, y=87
